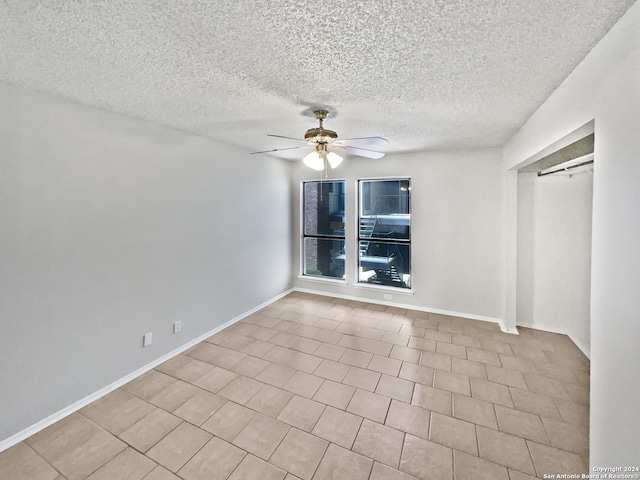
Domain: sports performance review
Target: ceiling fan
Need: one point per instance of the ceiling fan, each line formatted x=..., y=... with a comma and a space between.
x=324, y=143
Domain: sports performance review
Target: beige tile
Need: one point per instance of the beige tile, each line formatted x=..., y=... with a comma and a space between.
x=161, y=473
x=504, y=449
x=200, y=407
x=572, y=412
x=535, y=403
x=467, y=467
x=504, y=376
x=379, y=442
x=416, y=373
x=174, y=395
x=426, y=460
x=269, y=400
x=191, y=371
x=174, y=450
x=148, y=384
x=276, y=375
x=401, y=339
x=396, y=388
x=301, y=413
x=567, y=436
x=546, y=386
x=523, y=365
x=217, y=355
x=338, y=427
x=215, y=461
x=63, y=436
x=466, y=340
x=454, y=433
x=578, y=393
x=491, y=392
x=515, y=475
x=78, y=463
x=329, y=351
x=351, y=342
x=262, y=333
x=474, y=410
x=361, y=378
x=369, y=405
x=148, y=431
x=437, y=335
x=305, y=345
x=299, y=453
x=328, y=336
x=452, y=350
x=452, y=382
x=117, y=411
x=405, y=354
x=550, y=460
x=127, y=464
x=432, y=399
x=377, y=347
x=228, y=421
x=280, y=355
x=339, y=463
x=21, y=462
x=389, y=366
x=409, y=418
x=216, y=379
x=250, y=367
x=307, y=331
x=356, y=358
x=174, y=364
x=436, y=360
x=303, y=384
x=525, y=425
x=252, y=468
x=257, y=348
x=261, y=436
x=334, y=394
x=483, y=356
x=384, y=472
x=241, y=389
x=305, y=362
x=332, y=370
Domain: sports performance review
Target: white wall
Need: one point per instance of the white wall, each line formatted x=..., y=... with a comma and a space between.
x=554, y=254
x=113, y=227
x=605, y=87
x=456, y=242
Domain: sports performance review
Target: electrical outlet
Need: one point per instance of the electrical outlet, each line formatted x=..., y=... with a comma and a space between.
x=177, y=326
x=388, y=296
x=147, y=339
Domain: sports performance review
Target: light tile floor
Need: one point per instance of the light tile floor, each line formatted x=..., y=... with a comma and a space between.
x=319, y=388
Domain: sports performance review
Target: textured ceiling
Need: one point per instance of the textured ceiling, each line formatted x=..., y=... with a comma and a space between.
x=425, y=74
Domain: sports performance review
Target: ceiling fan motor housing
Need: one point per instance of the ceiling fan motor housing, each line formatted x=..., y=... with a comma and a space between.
x=320, y=135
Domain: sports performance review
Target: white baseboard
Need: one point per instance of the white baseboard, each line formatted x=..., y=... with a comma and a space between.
x=59, y=415
x=471, y=316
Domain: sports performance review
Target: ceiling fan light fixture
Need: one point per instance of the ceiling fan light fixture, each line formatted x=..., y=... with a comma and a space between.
x=314, y=160
x=334, y=159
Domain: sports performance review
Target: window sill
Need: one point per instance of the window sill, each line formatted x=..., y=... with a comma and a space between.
x=335, y=281
x=398, y=290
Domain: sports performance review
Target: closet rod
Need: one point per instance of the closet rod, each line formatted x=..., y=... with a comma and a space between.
x=571, y=167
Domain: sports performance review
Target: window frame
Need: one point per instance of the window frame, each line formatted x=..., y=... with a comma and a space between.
x=305, y=235
x=408, y=289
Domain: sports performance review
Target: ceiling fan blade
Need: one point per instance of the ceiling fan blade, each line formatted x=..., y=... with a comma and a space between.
x=288, y=138
x=358, y=142
x=280, y=149
x=362, y=152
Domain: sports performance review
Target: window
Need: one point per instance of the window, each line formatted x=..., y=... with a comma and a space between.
x=384, y=233
x=323, y=232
